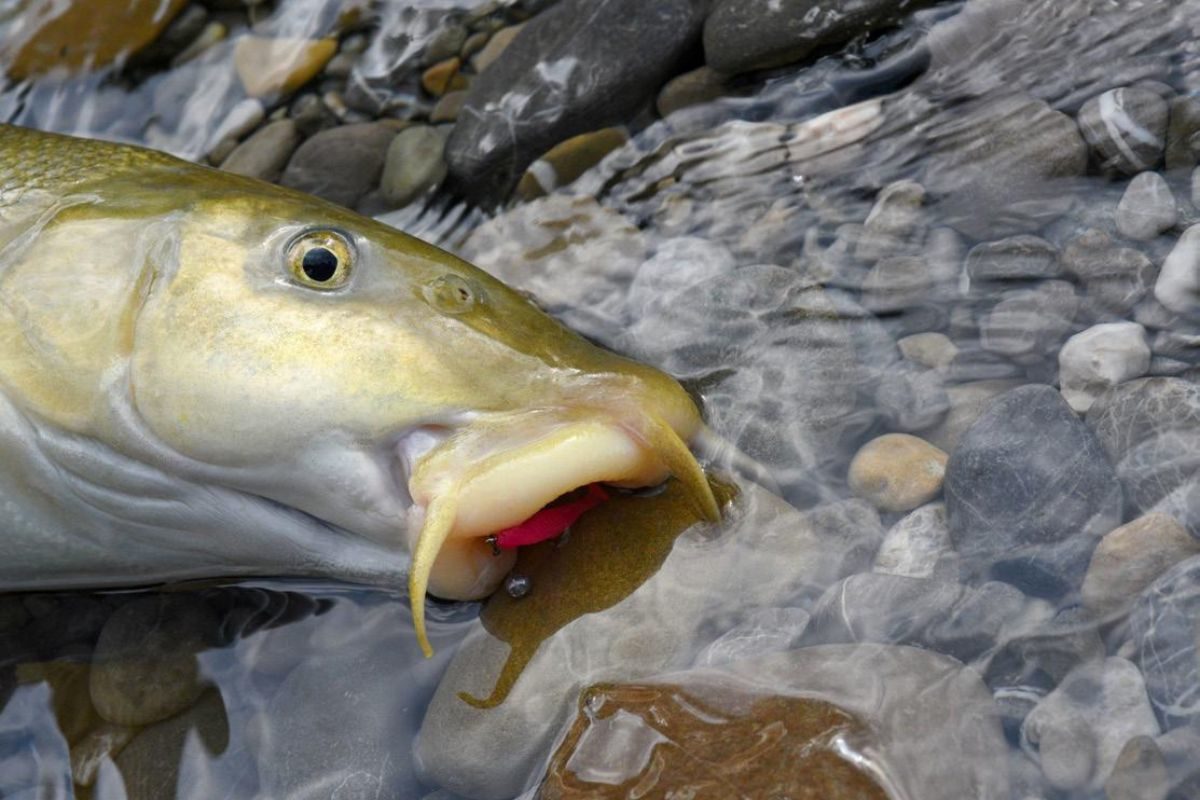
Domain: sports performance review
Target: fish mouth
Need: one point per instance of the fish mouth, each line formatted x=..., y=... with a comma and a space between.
x=485, y=478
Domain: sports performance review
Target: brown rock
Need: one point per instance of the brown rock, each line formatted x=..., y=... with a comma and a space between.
x=691, y=88
x=1131, y=557
x=496, y=45
x=444, y=77
x=270, y=66
x=897, y=472
x=266, y=152
x=448, y=107
x=566, y=161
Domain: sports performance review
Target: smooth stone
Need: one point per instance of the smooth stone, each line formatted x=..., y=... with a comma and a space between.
x=144, y=668
x=446, y=43
x=1117, y=277
x=964, y=622
x=444, y=77
x=701, y=85
x=448, y=107
x=967, y=402
x=1030, y=322
x=551, y=84
x=745, y=35
x=496, y=44
x=1178, y=285
x=897, y=472
x=1183, y=133
x=918, y=545
x=266, y=152
x=763, y=554
x=268, y=67
x=911, y=399
x=1029, y=491
x=1000, y=168
x=1099, y=358
x=566, y=161
x=897, y=283
x=154, y=761
x=1140, y=772
x=182, y=31
x=931, y=349
x=1126, y=129
x=311, y=114
x=1162, y=626
x=1078, y=731
x=244, y=117
x=1147, y=208
x=764, y=631
x=1015, y=258
x=213, y=34
x=340, y=164
x=414, y=164
x=1131, y=557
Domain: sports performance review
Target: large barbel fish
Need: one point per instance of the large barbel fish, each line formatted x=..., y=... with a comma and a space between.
x=204, y=375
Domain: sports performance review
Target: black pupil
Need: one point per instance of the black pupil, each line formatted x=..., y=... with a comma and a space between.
x=319, y=264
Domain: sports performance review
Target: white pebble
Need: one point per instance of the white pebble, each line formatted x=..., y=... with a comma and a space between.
x=1178, y=285
x=1100, y=357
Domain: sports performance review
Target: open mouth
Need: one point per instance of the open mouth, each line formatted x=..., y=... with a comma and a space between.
x=498, y=484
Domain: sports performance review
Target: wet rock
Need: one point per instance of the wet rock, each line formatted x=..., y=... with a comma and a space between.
x=153, y=762
x=497, y=44
x=444, y=77
x=145, y=666
x=266, y=152
x=1140, y=772
x=897, y=472
x=701, y=85
x=897, y=283
x=448, y=107
x=1101, y=357
x=912, y=400
x=413, y=165
x=1147, y=207
x=182, y=31
x=1000, y=167
x=967, y=402
x=311, y=114
x=1115, y=277
x=1030, y=322
x=568, y=160
x=211, y=35
x=268, y=67
x=1178, y=285
x=1131, y=557
x=446, y=42
x=764, y=631
x=1163, y=626
x=340, y=164
x=1126, y=129
x=244, y=117
x=895, y=224
x=762, y=555
x=550, y=84
x=741, y=36
x=1078, y=731
x=918, y=545
x=945, y=617
x=1014, y=258
x=1029, y=492
x=1183, y=133
x=932, y=350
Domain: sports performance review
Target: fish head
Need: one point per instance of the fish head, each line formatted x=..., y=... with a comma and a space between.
x=333, y=364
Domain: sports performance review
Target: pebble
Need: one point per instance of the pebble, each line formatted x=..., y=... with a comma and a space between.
x=1183, y=133
x=700, y=85
x=911, y=399
x=182, y=31
x=1131, y=557
x=413, y=165
x=1101, y=357
x=268, y=67
x=931, y=349
x=154, y=760
x=244, y=117
x=1140, y=772
x=967, y=402
x=1029, y=322
x=444, y=77
x=1078, y=731
x=1178, y=285
x=897, y=472
x=213, y=33
x=918, y=545
x=1162, y=629
x=340, y=164
x=446, y=42
x=897, y=283
x=764, y=631
x=448, y=107
x=1117, y=278
x=1015, y=258
x=1126, y=129
x=1029, y=492
x=566, y=161
x=496, y=44
x=1147, y=208
x=266, y=152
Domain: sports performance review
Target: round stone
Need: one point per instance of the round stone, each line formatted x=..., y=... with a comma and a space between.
x=897, y=472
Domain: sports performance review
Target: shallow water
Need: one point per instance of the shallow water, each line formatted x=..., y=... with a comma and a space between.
x=829, y=254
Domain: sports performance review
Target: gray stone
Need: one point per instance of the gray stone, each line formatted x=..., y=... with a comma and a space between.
x=1014, y=258
x=266, y=152
x=1140, y=772
x=967, y=402
x=551, y=84
x=152, y=764
x=1183, y=133
x=764, y=631
x=762, y=555
x=414, y=164
x=1080, y=728
x=1099, y=358
x=1115, y=277
x=912, y=400
x=897, y=283
x=1030, y=322
x=918, y=545
x=1029, y=492
x=1163, y=627
x=1147, y=208
x=340, y=164
x=144, y=668
x=1178, y=285
x=741, y=35
x=1126, y=129
x=1131, y=557
x=931, y=350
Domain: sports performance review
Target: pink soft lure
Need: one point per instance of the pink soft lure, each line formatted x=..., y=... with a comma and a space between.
x=551, y=521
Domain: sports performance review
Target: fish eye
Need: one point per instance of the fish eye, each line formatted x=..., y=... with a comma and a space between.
x=320, y=259
x=451, y=294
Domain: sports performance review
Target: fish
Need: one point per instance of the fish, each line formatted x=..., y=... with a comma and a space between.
x=204, y=375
